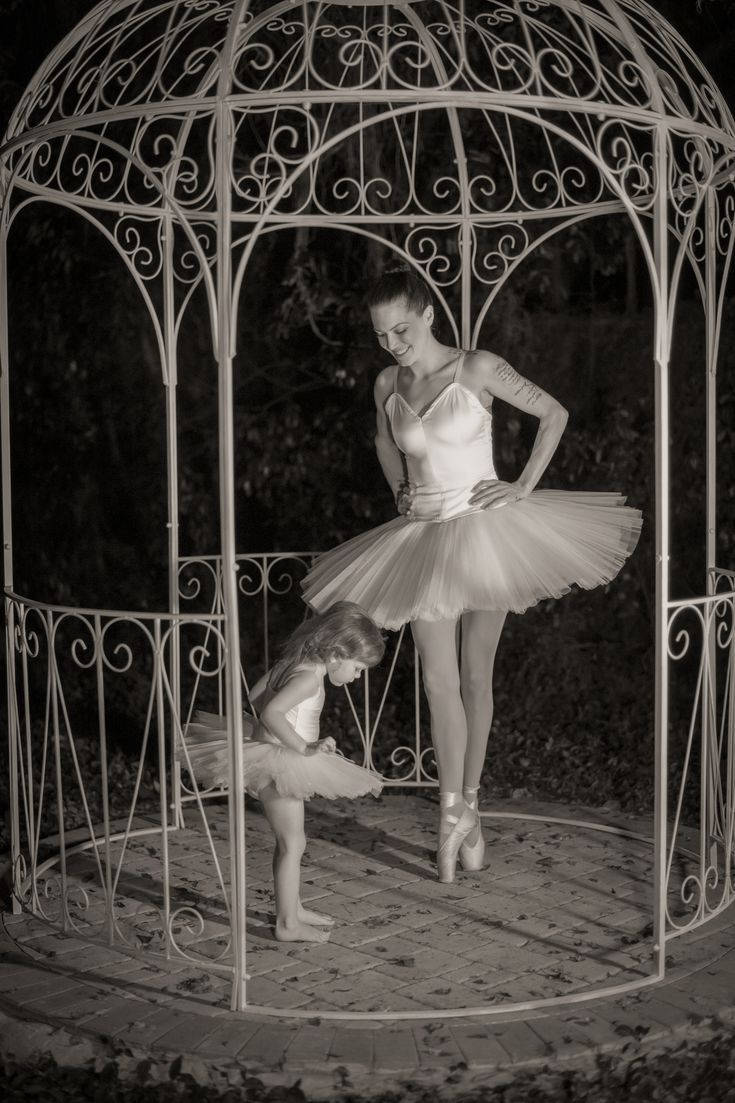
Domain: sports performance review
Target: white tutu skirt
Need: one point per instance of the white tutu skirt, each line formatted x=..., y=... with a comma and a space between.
x=292, y=774
x=505, y=559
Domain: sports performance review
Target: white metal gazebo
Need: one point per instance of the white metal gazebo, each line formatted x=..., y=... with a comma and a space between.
x=186, y=130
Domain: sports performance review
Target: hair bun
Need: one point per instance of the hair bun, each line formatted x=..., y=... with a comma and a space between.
x=400, y=281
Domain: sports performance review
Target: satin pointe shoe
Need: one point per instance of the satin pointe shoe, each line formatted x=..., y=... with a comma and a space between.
x=472, y=856
x=453, y=829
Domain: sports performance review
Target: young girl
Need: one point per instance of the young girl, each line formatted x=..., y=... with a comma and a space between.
x=285, y=761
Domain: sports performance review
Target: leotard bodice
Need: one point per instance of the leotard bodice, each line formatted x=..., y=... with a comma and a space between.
x=448, y=447
x=305, y=715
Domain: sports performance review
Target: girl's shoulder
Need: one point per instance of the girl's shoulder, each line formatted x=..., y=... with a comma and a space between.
x=299, y=684
x=307, y=672
x=311, y=667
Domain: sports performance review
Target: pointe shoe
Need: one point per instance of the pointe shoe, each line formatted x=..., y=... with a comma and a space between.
x=460, y=827
x=472, y=857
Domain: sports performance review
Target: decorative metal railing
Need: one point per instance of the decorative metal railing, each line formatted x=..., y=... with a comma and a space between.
x=82, y=682
x=74, y=675
x=701, y=652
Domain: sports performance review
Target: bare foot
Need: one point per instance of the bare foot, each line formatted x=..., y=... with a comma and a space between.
x=300, y=932
x=306, y=915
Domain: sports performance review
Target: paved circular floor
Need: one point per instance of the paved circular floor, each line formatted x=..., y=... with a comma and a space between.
x=560, y=909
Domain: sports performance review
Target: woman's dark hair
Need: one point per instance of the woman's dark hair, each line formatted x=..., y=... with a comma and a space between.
x=400, y=282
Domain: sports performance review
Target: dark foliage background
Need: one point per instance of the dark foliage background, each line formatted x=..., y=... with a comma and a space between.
x=574, y=678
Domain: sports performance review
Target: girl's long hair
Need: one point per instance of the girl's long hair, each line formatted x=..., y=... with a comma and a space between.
x=342, y=631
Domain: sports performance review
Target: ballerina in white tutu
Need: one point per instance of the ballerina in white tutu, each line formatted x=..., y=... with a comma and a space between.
x=467, y=546
x=284, y=760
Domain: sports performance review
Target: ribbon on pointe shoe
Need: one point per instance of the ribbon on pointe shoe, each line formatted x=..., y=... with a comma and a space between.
x=459, y=827
x=472, y=856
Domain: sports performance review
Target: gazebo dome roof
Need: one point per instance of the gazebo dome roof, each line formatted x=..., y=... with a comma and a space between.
x=459, y=135
x=134, y=58
x=478, y=118
x=617, y=56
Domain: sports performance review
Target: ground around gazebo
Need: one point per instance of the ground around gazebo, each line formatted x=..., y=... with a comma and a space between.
x=560, y=909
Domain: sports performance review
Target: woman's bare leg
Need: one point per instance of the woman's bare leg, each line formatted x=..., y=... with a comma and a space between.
x=437, y=645
x=480, y=637
x=286, y=817
x=436, y=642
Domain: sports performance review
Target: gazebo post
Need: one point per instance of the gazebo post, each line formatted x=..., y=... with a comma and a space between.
x=662, y=343
x=233, y=688
x=711, y=336
x=225, y=141
x=170, y=382
x=8, y=560
x=709, y=689
x=223, y=152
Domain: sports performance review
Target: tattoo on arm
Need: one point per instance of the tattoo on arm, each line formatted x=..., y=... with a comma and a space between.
x=521, y=387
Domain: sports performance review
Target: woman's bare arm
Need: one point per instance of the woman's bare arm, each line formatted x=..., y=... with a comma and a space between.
x=389, y=455
x=491, y=375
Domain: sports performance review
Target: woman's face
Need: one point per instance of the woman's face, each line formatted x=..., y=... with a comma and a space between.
x=401, y=331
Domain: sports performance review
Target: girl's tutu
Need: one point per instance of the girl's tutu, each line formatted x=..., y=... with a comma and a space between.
x=322, y=774
x=506, y=559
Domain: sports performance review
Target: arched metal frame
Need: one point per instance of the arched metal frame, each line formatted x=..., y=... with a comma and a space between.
x=185, y=130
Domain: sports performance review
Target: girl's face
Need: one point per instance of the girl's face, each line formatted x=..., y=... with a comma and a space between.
x=342, y=671
x=401, y=331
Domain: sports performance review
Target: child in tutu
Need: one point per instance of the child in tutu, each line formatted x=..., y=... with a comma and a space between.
x=285, y=762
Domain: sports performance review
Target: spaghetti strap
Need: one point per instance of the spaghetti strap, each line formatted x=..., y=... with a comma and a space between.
x=460, y=362
x=395, y=379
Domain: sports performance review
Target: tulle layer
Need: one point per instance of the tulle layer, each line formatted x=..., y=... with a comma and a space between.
x=505, y=559
x=293, y=774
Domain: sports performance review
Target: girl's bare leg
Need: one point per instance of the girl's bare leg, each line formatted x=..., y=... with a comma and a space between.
x=286, y=817
x=480, y=637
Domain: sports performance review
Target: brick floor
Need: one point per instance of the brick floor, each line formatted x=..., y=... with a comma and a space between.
x=559, y=910
x=525, y=915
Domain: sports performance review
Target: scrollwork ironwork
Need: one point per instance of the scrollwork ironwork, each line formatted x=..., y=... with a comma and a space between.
x=704, y=653
x=191, y=587
x=285, y=580
x=496, y=248
x=436, y=252
x=627, y=153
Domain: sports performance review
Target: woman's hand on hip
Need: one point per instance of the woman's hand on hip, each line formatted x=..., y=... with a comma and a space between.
x=494, y=493
x=404, y=498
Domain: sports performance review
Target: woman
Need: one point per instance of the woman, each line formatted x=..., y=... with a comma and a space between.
x=467, y=546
